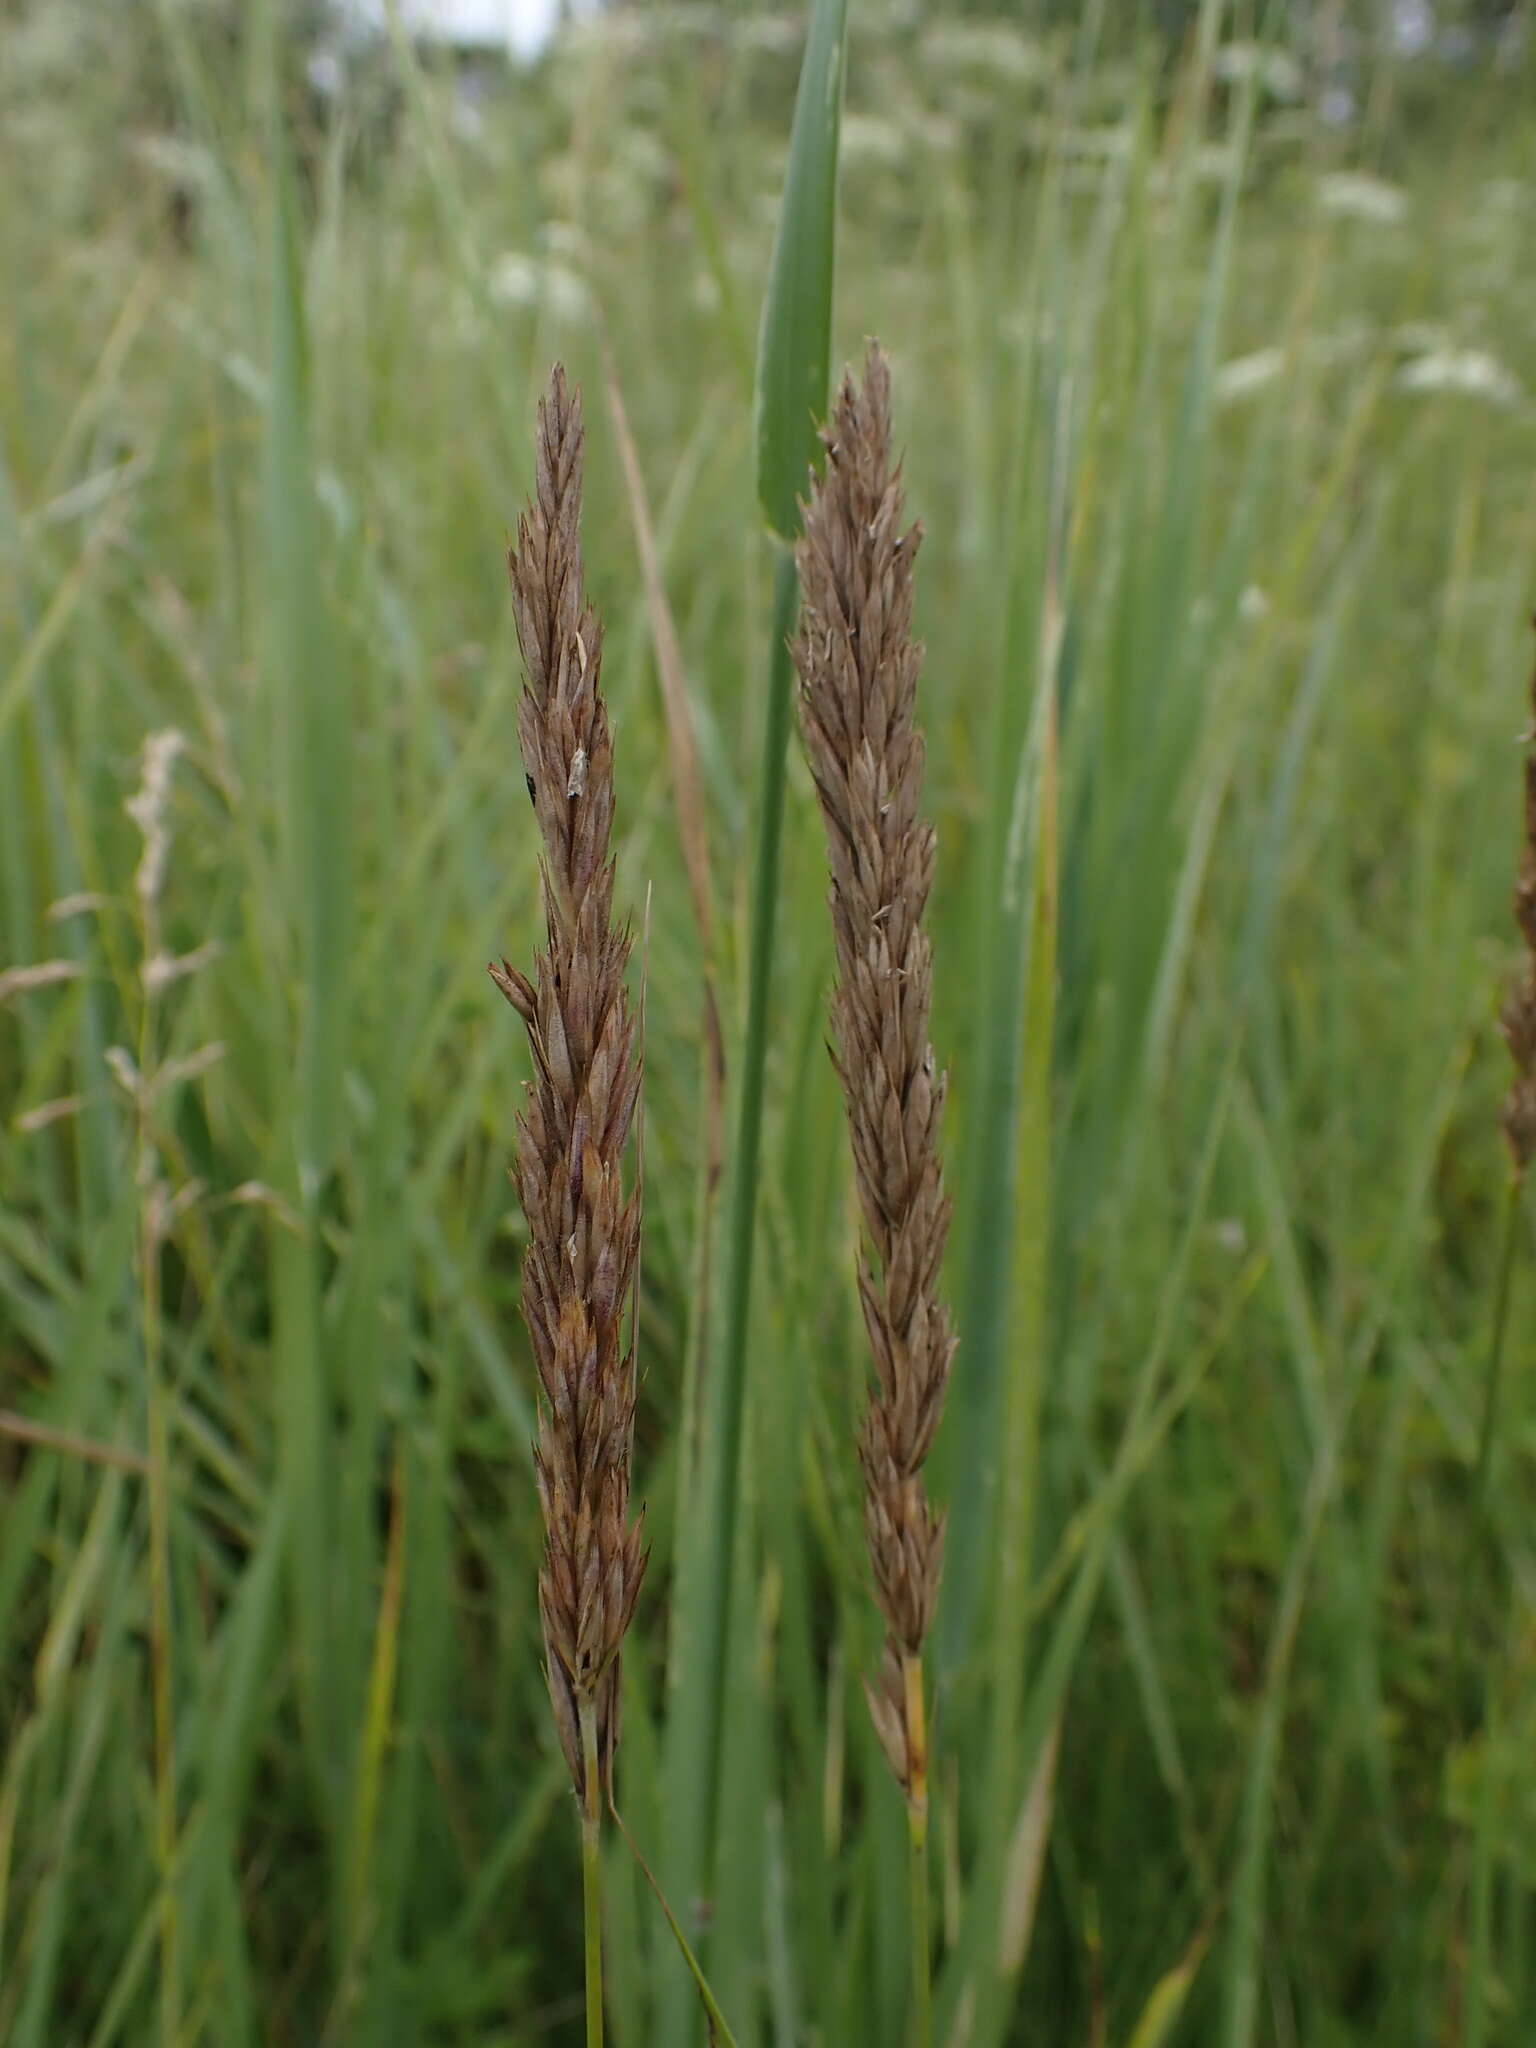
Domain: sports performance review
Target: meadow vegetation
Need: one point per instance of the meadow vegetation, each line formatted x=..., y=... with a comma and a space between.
x=1221, y=423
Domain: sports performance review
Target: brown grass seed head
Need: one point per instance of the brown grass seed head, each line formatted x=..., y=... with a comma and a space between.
x=858, y=667
x=583, y=1233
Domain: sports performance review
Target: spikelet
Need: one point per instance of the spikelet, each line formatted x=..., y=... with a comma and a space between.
x=858, y=668
x=583, y=1234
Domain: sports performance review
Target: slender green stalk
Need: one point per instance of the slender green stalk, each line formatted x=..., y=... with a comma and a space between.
x=157, y=1444
x=1479, y=1937
x=160, y=1610
x=147, y=807
x=791, y=386
x=1037, y=782
x=592, y=1873
x=917, y=1836
x=749, y=1130
x=922, y=1966
x=1494, y=1374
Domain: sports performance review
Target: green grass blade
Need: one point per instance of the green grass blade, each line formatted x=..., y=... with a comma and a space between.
x=1246, y=1920
x=979, y=1979
x=1160, y=2015
x=700, y=1676
x=795, y=346
x=968, y=1445
x=1032, y=1187
x=792, y=395
x=309, y=703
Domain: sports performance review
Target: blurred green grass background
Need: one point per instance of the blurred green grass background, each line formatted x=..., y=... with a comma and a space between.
x=1221, y=419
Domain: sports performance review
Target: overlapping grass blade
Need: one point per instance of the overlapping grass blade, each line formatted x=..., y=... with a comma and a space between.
x=794, y=351
x=795, y=344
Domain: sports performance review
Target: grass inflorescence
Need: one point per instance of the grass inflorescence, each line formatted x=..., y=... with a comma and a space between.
x=858, y=667
x=583, y=1230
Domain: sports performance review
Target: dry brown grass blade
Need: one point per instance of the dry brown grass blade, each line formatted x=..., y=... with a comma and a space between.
x=25, y=1431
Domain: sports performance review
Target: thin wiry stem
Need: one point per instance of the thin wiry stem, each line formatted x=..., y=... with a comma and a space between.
x=147, y=807
x=1494, y=1374
x=917, y=1838
x=720, y=2035
x=592, y=1876
x=922, y=1966
x=160, y=1624
x=1479, y=1517
x=24, y=1430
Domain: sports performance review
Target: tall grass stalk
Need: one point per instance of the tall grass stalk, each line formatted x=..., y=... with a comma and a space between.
x=1487, y=1428
x=919, y=1915
x=1487, y=1418
x=1518, y=1022
x=793, y=356
x=147, y=807
x=1519, y=1019
x=591, y=1878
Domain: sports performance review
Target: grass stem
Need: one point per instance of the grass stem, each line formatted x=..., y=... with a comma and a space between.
x=917, y=1835
x=158, y=1438
x=1494, y=1375
x=592, y=1874
x=147, y=808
